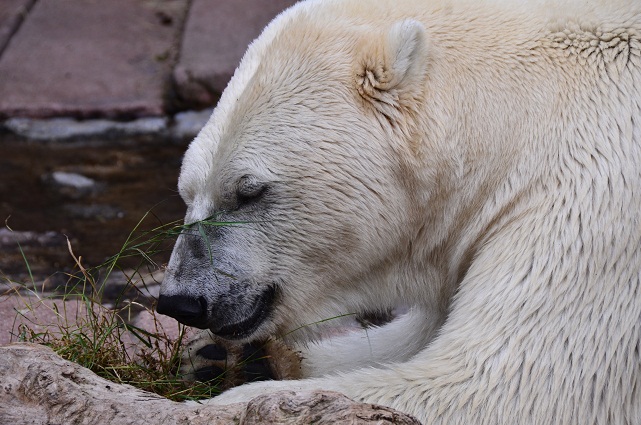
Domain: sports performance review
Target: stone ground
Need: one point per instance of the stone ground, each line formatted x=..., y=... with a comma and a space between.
x=97, y=101
x=122, y=58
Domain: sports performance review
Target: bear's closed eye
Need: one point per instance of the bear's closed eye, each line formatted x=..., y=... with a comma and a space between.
x=249, y=190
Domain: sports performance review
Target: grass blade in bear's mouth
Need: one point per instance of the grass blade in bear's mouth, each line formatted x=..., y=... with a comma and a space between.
x=247, y=326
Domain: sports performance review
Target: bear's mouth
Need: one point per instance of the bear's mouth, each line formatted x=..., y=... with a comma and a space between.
x=248, y=325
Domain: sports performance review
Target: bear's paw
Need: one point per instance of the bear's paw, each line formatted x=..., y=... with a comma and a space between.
x=227, y=364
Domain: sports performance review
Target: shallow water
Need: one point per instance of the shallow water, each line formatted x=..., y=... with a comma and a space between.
x=133, y=176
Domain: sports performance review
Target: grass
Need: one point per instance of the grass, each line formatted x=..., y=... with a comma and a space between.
x=99, y=334
x=102, y=337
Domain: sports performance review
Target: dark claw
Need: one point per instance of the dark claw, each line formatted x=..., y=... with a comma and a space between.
x=209, y=373
x=213, y=352
x=258, y=370
x=256, y=367
x=233, y=366
x=253, y=352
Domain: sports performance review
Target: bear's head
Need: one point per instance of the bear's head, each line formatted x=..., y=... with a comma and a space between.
x=301, y=193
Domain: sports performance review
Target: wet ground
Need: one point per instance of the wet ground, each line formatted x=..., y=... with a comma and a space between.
x=131, y=176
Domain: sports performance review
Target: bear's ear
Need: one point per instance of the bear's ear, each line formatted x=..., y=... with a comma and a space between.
x=392, y=71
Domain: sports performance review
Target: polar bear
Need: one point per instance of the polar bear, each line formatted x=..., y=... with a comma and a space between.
x=474, y=167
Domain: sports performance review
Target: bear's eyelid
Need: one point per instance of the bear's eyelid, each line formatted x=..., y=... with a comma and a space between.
x=249, y=188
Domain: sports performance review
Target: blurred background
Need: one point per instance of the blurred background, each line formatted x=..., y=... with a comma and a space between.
x=98, y=101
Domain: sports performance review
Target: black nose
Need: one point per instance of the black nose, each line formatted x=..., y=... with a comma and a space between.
x=187, y=310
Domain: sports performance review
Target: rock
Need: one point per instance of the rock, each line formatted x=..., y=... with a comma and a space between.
x=26, y=256
x=70, y=129
x=39, y=313
x=71, y=185
x=12, y=12
x=100, y=59
x=76, y=181
x=153, y=322
x=10, y=239
x=188, y=124
x=140, y=285
x=38, y=387
x=215, y=38
x=101, y=212
x=318, y=407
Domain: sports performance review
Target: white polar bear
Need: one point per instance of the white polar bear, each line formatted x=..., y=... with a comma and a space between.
x=478, y=163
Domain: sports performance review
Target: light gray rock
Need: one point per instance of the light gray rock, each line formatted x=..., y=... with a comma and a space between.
x=94, y=211
x=318, y=407
x=72, y=185
x=9, y=238
x=38, y=387
x=188, y=124
x=69, y=128
x=77, y=181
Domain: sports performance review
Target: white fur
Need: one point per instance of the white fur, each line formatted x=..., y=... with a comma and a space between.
x=397, y=341
x=480, y=162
